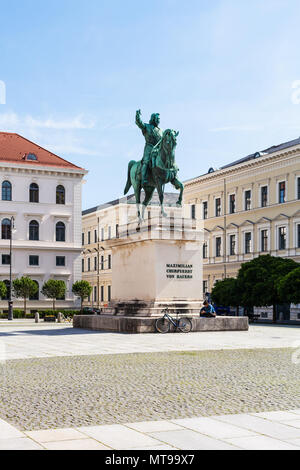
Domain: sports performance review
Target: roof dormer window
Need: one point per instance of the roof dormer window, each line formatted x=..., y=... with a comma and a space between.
x=31, y=157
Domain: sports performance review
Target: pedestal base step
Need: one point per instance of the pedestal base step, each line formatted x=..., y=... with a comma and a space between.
x=147, y=324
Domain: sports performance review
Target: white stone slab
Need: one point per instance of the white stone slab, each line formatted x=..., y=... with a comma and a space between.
x=78, y=444
x=54, y=435
x=277, y=415
x=21, y=443
x=153, y=426
x=9, y=432
x=213, y=428
x=261, y=443
x=191, y=440
x=261, y=426
x=118, y=436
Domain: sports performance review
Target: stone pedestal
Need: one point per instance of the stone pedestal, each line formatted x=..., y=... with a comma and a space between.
x=156, y=264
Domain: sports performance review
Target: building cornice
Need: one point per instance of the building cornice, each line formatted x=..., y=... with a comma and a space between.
x=44, y=169
x=248, y=165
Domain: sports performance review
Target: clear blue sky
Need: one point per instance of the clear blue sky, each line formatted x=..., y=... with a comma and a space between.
x=219, y=71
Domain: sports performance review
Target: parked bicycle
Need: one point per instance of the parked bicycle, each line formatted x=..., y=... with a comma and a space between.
x=163, y=324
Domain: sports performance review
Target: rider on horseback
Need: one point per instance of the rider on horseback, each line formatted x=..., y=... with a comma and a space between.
x=153, y=135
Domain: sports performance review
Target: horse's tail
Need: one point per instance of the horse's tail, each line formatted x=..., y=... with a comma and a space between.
x=128, y=184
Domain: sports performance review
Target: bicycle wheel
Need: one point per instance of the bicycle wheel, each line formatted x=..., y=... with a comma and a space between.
x=185, y=325
x=162, y=325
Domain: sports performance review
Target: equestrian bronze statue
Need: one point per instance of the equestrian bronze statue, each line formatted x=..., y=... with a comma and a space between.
x=157, y=166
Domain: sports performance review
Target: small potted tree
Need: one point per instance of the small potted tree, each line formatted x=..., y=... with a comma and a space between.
x=53, y=289
x=24, y=288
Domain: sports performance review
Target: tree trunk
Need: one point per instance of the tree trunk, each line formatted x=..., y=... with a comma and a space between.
x=81, y=308
x=24, y=307
x=274, y=314
x=53, y=306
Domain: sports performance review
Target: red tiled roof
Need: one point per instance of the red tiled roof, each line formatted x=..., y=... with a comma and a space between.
x=14, y=148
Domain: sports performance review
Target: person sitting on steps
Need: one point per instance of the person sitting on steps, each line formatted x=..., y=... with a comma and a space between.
x=207, y=310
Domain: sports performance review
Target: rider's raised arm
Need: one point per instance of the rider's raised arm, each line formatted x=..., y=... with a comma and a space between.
x=139, y=122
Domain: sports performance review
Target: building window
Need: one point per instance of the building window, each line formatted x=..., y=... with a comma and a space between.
x=298, y=188
x=89, y=264
x=247, y=200
x=60, y=194
x=82, y=238
x=95, y=293
x=109, y=261
x=232, y=245
x=33, y=193
x=264, y=240
x=6, y=191
x=205, y=250
x=109, y=293
x=232, y=203
x=281, y=195
x=282, y=238
x=102, y=293
x=264, y=196
x=102, y=263
x=5, y=259
x=298, y=236
x=89, y=238
x=60, y=260
x=36, y=295
x=34, y=230
x=6, y=229
x=193, y=211
x=82, y=265
x=60, y=232
x=218, y=207
x=248, y=239
x=95, y=264
x=117, y=228
x=205, y=287
x=33, y=260
x=218, y=247
x=205, y=210
x=31, y=157
x=102, y=234
x=95, y=236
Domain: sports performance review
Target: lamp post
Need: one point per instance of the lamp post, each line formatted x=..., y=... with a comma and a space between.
x=10, y=302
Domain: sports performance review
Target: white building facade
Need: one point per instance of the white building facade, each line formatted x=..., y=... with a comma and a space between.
x=42, y=193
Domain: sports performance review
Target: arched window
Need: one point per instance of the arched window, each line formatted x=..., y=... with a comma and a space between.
x=6, y=229
x=7, y=283
x=60, y=232
x=37, y=294
x=60, y=194
x=6, y=191
x=33, y=193
x=34, y=230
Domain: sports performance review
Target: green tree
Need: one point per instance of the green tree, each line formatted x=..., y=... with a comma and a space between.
x=226, y=293
x=24, y=288
x=82, y=289
x=3, y=290
x=258, y=281
x=54, y=289
x=289, y=287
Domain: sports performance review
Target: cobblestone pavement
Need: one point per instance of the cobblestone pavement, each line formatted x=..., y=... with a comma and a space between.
x=65, y=392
